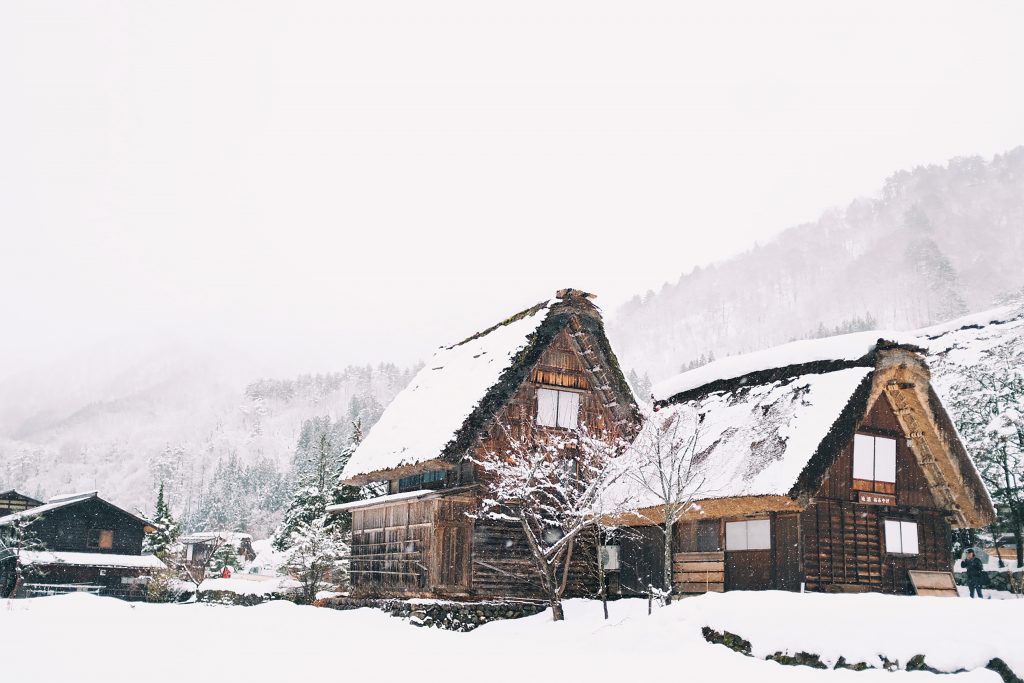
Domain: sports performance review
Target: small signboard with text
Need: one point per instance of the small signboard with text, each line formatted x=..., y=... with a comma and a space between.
x=875, y=498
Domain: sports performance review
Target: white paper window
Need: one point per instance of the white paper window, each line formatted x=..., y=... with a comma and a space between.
x=759, y=534
x=874, y=458
x=901, y=537
x=547, y=407
x=863, y=457
x=885, y=459
x=558, y=408
x=735, y=535
x=755, y=534
x=568, y=409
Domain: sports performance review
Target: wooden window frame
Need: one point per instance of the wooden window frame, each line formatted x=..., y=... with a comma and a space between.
x=901, y=522
x=874, y=485
x=746, y=523
x=98, y=544
x=558, y=413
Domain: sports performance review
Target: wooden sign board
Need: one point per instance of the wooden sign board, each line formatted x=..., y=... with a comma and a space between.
x=938, y=584
x=875, y=498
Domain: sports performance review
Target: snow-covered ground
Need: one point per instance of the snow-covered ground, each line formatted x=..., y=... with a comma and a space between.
x=88, y=638
x=246, y=584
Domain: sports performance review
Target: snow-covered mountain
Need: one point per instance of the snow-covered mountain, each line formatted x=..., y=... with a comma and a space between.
x=938, y=242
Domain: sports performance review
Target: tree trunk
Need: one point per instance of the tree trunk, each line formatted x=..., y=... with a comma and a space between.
x=667, y=571
x=556, y=608
x=1018, y=532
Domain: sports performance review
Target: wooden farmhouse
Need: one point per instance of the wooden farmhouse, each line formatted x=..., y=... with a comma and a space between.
x=827, y=465
x=545, y=370
x=78, y=542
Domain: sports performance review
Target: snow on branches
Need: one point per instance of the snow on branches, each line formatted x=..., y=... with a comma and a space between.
x=553, y=485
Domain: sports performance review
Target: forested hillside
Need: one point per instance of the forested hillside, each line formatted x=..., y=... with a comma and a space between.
x=223, y=452
x=937, y=242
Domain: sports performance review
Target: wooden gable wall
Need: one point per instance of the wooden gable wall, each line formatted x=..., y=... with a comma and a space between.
x=843, y=540
x=912, y=487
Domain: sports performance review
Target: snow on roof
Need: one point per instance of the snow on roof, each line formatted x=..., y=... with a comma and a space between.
x=64, y=500
x=846, y=347
x=426, y=415
x=92, y=559
x=69, y=497
x=752, y=441
x=380, y=500
x=203, y=536
x=53, y=504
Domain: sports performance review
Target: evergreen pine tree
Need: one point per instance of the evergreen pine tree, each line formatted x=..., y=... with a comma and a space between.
x=160, y=541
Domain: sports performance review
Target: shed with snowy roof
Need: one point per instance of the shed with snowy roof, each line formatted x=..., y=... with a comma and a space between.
x=79, y=542
x=547, y=369
x=825, y=465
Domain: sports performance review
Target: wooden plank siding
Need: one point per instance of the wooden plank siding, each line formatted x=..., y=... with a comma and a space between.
x=844, y=540
x=698, y=572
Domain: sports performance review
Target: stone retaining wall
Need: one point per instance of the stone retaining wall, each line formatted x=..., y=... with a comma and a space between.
x=450, y=615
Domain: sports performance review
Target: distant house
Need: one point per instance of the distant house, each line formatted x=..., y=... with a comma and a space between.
x=198, y=548
x=547, y=369
x=828, y=465
x=12, y=501
x=79, y=542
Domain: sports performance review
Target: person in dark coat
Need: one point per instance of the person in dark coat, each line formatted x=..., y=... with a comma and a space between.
x=976, y=577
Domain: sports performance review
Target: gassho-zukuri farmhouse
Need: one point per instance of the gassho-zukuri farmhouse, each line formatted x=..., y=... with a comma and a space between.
x=826, y=465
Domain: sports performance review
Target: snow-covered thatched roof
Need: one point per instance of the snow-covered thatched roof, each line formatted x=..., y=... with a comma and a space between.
x=424, y=417
x=769, y=423
x=462, y=386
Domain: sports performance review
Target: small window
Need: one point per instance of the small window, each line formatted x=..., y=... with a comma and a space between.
x=102, y=539
x=754, y=534
x=426, y=480
x=707, y=536
x=558, y=408
x=901, y=537
x=874, y=463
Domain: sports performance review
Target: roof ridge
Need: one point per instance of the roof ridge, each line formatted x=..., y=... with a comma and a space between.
x=525, y=313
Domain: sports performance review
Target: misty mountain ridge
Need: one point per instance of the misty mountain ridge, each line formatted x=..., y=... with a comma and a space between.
x=938, y=242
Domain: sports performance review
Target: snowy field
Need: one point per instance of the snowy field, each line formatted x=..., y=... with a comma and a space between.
x=87, y=638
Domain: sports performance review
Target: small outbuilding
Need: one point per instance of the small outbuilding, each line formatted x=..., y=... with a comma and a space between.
x=827, y=465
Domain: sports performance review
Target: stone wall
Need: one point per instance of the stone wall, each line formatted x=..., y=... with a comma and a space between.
x=450, y=615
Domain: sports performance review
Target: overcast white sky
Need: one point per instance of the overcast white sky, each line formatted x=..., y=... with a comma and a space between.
x=317, y=183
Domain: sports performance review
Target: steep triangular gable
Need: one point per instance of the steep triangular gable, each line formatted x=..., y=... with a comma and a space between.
x=408, y=416
x=572, y=332
x=901, y=379
x=911, y=486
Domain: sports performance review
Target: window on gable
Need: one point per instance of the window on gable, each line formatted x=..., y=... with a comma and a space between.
x=103, y=539
x=901, y=537
x=558, y=408
x=874, y=463
x=752, y=534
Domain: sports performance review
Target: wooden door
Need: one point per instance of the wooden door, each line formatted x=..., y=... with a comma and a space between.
x=748, y=570
x=455, y=550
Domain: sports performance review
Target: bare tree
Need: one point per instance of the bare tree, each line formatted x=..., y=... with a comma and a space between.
x=662, y=466
x=551, y=486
